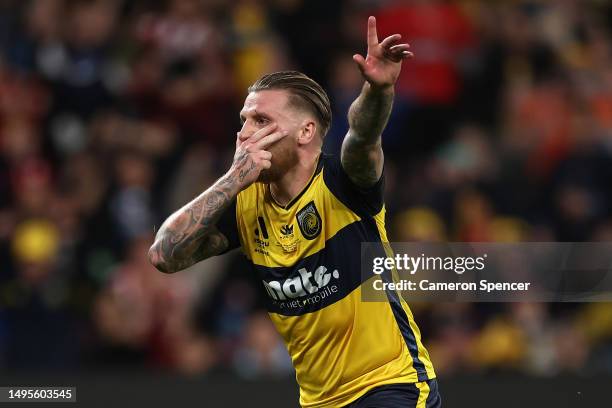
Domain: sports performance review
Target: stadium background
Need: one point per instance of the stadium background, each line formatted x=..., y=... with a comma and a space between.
x=114, y=113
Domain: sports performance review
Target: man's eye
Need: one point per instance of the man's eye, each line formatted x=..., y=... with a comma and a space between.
x=262, y=121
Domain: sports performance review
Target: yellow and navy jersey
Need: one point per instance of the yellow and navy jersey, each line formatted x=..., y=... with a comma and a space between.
x=307, y=256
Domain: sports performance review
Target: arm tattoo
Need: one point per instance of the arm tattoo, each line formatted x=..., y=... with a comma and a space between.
x=189, y=235
x=362, y=156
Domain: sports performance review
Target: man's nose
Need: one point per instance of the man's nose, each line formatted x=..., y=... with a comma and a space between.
x=242, y=135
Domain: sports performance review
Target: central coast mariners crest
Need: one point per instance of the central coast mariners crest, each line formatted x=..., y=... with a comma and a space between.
x=309, y=221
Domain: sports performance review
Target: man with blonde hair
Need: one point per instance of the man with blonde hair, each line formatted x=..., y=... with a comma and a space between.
x=346, y=352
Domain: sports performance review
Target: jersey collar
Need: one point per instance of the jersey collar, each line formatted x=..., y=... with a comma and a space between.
x=297, y=197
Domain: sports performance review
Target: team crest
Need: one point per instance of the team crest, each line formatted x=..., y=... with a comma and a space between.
x=309, y=221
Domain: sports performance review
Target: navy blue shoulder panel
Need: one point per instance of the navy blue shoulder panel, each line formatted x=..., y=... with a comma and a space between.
x=364, y=202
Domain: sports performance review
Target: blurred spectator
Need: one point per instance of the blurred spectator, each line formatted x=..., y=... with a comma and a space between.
x=419, y=224
x=262, y=352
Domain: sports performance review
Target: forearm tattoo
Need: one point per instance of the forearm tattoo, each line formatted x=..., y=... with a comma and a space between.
x=190, y=235
x=361, y=150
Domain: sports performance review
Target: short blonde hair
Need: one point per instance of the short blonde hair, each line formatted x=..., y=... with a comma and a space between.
x=305, y=92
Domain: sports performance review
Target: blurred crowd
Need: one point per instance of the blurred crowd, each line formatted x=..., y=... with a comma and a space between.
x=114, y=113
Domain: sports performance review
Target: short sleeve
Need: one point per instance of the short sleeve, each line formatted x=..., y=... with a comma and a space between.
x=228, y=227
x=363, y=201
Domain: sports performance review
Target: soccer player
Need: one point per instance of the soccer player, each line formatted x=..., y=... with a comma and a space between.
x=299, y=217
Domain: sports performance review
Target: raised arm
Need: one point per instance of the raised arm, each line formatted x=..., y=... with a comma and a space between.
x=362, y=155
x=190, y=234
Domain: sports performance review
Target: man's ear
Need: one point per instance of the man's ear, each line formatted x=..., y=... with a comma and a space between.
x=308, y=132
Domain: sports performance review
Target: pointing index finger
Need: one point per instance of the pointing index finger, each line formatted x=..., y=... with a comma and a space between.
x=372, y=34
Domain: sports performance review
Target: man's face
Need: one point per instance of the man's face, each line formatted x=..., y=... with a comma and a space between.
x=263, y=108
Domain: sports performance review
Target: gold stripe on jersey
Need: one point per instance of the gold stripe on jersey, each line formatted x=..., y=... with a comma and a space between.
x=423, y=355
x=423, y=388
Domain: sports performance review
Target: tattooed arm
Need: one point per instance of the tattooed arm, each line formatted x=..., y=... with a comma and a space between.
x=362, y=155
x=190, y=235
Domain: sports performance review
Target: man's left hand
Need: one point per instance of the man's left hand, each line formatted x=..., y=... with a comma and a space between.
x=383, y=63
